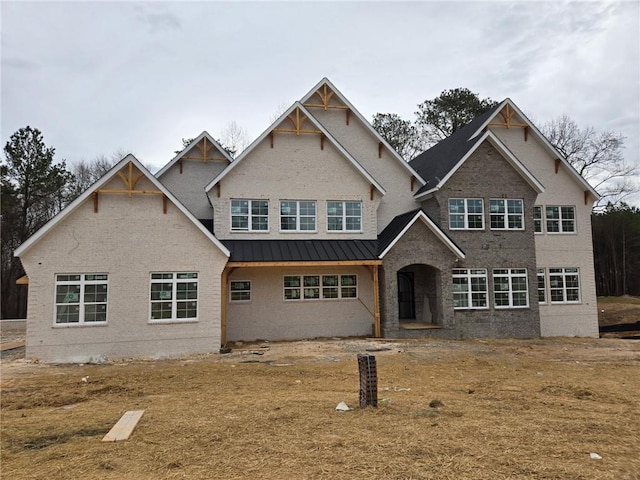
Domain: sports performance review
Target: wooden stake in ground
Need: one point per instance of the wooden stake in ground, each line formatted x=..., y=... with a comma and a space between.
x=124, y=428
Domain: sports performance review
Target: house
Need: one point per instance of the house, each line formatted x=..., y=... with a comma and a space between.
x=319, y=228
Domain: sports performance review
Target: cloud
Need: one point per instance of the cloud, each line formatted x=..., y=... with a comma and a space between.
x=158, y=20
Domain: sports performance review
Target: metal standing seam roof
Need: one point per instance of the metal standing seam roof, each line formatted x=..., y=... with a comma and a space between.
x=301, y=250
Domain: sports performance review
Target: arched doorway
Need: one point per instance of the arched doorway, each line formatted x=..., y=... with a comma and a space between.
x=419, y=291
x=406, y=296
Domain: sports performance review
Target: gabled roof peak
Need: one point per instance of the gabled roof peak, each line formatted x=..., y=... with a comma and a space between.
x=205, y=145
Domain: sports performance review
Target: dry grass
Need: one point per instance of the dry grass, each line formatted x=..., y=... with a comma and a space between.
x=613, y=310
x=529, y=409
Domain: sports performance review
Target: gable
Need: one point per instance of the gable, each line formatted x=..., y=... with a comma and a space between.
x=127, y=179
x=202, y=149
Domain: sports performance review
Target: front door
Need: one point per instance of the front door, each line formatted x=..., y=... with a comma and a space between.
x=406, y=299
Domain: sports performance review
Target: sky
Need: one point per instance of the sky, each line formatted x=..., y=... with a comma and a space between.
x=100, y=77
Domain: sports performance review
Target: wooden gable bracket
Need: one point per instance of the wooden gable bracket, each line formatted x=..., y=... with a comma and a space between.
x=130, y=182
x=322, y=141
x=371, y=190
x=380, y=144
x=507, y=116
x=204, y=147
x=586, y=197
x=324, y=94
x=413, y=181
x=297, y=120
x=180, y=162
x=557, y=165
x=348, y=115
x=526, y=133
x=271, y=137
x=218, y=189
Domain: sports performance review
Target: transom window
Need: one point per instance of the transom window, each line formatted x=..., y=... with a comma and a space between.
x=542, y=290
x=510, y=288
x=240, y=291
x=560, y=219
x=81, y=298
x=469, y=288
x=320, y=287
x=466, y=214
x=506, y=214
x=174, y=296
x=297, y=216
x=564, y=285
x=344, y=216
x=250, y=215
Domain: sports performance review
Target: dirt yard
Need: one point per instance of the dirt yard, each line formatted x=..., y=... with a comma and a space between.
x=500, y=409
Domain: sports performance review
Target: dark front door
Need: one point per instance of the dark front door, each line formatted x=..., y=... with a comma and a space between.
x=406, y=299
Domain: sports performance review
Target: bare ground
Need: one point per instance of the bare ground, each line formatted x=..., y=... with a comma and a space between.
x=532, y=409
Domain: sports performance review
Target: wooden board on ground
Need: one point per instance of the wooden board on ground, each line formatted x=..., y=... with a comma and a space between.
x=11, y=345
x=124, y=428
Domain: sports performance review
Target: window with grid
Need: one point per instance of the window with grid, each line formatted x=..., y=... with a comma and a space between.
x=466, y=214
x=510, y=288
x=469, y=288
x=560, y=219
x=81, y=299
x=344, y=216
x=506, y=214
x=297, y=216
x=249, y=215
x=537, y=219
x=542, y=290
x=564, y=285
x=174, y=296
x=240, y=291
x=316, y=287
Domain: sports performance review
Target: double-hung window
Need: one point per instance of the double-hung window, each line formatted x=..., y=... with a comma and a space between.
x=469, y=288
x=240, y=291
x=466, y=214
x=249, y=215
x=316, y=287
x=174, y=296
x=297, y=216
x=542, y=289
x=506, y=214
x=510, y=288
x=560, y=219
x=537, y=219
x=344, y=216
x=564, y=285
x=81, y=299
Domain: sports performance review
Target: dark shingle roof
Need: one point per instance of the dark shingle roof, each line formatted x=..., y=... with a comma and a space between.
x=301, y=250
x=434, y=164
x=394, y=228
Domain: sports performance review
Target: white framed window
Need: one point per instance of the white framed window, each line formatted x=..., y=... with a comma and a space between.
x=466, y=214
x=344, y=216
x=560, y=219
x=249, y=215
x=469, y=288
x=510, y=288
x=173, y=296
x=564, y=285
x=542, y=286
x=240, y=291
x=537, y=219
x=320, y=287
x=81, y=298
x=297, y=216
x=506, y=214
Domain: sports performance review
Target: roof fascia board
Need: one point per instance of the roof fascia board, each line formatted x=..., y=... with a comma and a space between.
x=31, y=241
x=553, y=152
x=183, y=152
x=368, y=125
x=434, y=228
x=303, y=263
x=319, y=126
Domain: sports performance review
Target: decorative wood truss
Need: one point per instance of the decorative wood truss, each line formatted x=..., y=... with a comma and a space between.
x=507, y=115
x=324, y=96
x=205, y=147
x=130, y=180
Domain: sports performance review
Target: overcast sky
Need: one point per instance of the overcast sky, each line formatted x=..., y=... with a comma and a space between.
x=96, y=77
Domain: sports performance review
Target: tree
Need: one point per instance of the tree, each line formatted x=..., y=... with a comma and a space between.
x=234, y=138
x=439, y=118
x=33, y=191
x=401, y=134
x=597, y=156
x=86, y=173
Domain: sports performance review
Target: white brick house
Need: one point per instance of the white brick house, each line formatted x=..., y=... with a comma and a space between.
x=318, y=229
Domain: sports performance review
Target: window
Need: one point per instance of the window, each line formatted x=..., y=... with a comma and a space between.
x=174, y=296
x=249, y=215
x=510, y=288
x=316, y=287
x=297, y=216
x=240, y=291
x=542, y=291
x=506, y=214
x=344, y=216
x=537, y=219
x=466, y=214
x=81, y=299
x=469, y=288
x=560, y=219
x=564, y=285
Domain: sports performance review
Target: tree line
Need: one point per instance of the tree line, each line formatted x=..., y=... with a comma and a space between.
x=35, y=187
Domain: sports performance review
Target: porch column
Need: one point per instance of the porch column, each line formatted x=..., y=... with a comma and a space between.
x=223, y=305
x=376, y=301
